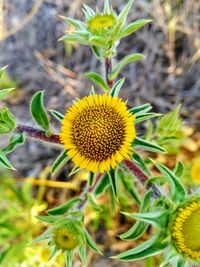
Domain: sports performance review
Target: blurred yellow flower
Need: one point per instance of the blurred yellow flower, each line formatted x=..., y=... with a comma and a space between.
x=101, y=22
x=195, y=171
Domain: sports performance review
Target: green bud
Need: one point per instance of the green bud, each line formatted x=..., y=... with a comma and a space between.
x=7, y=121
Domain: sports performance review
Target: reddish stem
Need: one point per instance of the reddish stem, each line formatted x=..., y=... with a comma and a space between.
x=37, y=134
x=142, y=177
x=108, y=69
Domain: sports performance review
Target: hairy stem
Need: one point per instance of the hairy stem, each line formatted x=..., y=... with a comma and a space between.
x=142, y=177
x=37, y=134
x=108, y=70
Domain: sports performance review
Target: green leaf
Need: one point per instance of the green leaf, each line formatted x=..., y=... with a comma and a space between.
x=98, y=80
x=132, y=27
x=93, y=203
x=114, y=92
x=48, y=219
x=5, y=92
x=126, y=60
x=179, y=168
x=113, y=180
x=97, y=51
x=74, y=38
x=62, y=209
x=88, y=11
x=38, y=112
x=57, y=115
x=7, y=121
x=170, y=123
x=102, y=185
x=147, y=146
x=139, y=227
x=4, y=162
x=17, y=139
x=74, y=22
x=2, y=70
x=91, y=243
x=158, y=218
x=124, y=13
x=145, y=116
x=98, y=41
x=59, y=163
x=141, y=163
x=106, y=9
x=149, y=248
x=83, y=255
x=68, y=258
x=141, y=109
x=178, y=191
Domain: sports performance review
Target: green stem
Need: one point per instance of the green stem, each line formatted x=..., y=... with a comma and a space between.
x=108, y=70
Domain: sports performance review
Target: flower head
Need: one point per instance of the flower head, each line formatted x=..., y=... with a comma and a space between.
x=98, y=131
x=186, y=229
x=67, y=236
x=101, y=22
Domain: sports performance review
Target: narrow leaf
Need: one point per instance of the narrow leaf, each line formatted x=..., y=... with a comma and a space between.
x=38, y=112
x=132, y=27
x=97, y=41
x=98, y=80
x=103, y=184
x=48, y=219
x=5, y=92
x=57, y=115
x=114, y=92
x=4, y=162
x=123, y=15
x=62, y=209
x=113, y=180
x=145, y=116
x=59, y=163
x=106, y=9
x=74, y=22
x=179, y=168
x=141, y=109
x=93, y=203
x=68, y=258
x=91, y=243
x=149, y=248
x=125, y=61
x=17, y=139
x=147, y=146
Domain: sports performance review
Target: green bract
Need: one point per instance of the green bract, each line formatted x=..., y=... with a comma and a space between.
x=7, y=121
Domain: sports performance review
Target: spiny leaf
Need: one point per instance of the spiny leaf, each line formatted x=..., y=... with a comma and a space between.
x=39, y=113
x=126, y=60
x=98, y=80
x=147, y=146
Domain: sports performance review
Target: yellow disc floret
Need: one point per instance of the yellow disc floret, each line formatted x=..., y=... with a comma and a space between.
x=186, y=229
x=98, y=132
x=101, y=22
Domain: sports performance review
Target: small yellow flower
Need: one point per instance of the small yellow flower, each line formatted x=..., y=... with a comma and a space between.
x=67, y=237
x=101, y=22
x=195, y=171
x=97, y=132
x=186, y=229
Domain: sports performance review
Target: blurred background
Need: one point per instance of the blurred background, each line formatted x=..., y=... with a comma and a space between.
x=169, y=75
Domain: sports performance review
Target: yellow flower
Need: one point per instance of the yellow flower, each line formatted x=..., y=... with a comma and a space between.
x=101, y=22
x=98, y=131
x=67, y=237
x=186, y=229
x=195, y=171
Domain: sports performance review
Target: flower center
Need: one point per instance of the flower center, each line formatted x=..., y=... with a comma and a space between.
x=65, y=239
x=101, y=22
x=98, y=132
x=186, y=229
